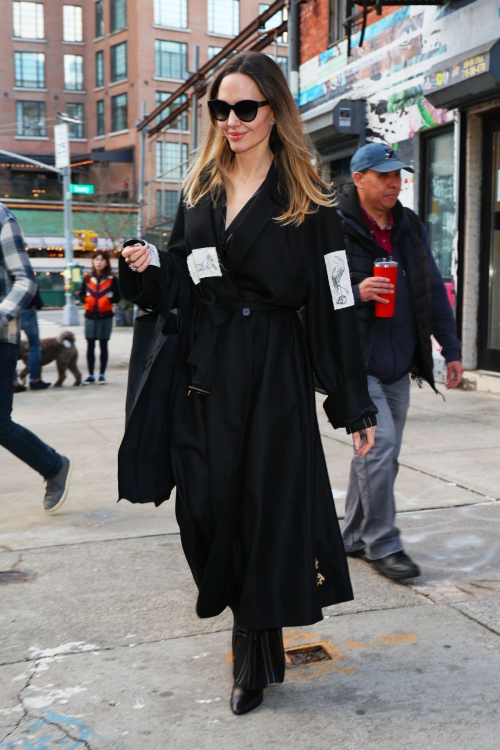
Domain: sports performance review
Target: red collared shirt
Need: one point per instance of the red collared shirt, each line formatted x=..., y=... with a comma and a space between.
x=381, y=236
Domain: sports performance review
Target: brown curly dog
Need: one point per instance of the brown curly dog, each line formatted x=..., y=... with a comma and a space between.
x=62, y=349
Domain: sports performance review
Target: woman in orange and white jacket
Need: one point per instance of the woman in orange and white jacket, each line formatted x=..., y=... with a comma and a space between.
x=99, y=292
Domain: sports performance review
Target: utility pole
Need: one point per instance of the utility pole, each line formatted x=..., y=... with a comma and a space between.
x=293, y=47
x=142, y=158
x=61, y=137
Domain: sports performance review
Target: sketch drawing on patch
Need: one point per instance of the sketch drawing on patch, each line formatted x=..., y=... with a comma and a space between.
x=203, y=263
x=338, y=272
x=339, y=279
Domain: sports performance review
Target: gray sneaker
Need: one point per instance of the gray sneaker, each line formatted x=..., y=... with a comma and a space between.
x=57, y=487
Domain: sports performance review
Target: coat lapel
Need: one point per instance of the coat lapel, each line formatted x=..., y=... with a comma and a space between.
x=263, y=209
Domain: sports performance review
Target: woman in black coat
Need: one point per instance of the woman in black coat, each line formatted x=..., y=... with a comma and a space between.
x=259, y=238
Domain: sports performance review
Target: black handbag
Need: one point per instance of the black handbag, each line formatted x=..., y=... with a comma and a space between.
x=144, y=471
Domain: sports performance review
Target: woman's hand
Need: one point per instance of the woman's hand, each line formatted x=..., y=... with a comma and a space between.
x=137, y=256
x=362, y=447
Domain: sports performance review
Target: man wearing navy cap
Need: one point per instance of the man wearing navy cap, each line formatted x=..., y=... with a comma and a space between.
x=375, y=225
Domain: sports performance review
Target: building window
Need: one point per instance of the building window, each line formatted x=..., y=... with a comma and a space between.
x=336, y=19
x=283, y=63
x=118, y=14
x=119, y=113
x=31, y=118
x=172, y=13
x=99, y=68
x=119, y=62
x=73, y=72
x=171, y=59
x=166, y=208
x=213, y=51
x=171, y=160
x=72, y=23
x=28, y=20
x=100, y=117
x=275, y=21
x=162, y=96
x=99, y=19
x=30, y=69
x=438, y=198
x=224, y=17
x=76, y=111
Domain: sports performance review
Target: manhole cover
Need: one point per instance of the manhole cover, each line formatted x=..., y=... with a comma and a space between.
x=13, y=576
x=313, y=653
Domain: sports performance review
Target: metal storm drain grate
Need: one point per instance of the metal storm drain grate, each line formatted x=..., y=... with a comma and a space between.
x=13, y=576
x=313, y=653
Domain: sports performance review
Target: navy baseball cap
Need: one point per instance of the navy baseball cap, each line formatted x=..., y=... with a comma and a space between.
x=379, y=157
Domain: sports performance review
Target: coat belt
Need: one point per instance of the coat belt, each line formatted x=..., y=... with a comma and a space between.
x=202, y=355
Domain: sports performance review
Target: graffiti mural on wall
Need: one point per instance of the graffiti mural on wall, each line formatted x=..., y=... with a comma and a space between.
x=389, y=70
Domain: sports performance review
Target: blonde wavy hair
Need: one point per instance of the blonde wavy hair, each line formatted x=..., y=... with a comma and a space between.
x=293, y=152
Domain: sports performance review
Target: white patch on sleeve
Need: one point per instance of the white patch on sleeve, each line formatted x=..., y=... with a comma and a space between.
x=203, y=263
x=339, y=279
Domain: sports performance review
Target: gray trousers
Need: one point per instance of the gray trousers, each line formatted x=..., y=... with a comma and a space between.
x=370, y=505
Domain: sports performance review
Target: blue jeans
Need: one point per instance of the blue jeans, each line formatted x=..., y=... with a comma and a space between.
x=29, y=324
x=18, y=440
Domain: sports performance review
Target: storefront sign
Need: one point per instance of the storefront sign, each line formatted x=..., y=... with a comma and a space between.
x=460, y=71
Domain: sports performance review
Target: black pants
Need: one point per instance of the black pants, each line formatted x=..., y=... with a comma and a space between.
x=258, y=657
x=91, y=355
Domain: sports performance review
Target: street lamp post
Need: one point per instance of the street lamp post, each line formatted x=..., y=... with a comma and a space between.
x=63, y=164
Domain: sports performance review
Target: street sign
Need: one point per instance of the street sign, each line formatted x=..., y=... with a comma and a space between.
x=61, y=145
x=83, y=189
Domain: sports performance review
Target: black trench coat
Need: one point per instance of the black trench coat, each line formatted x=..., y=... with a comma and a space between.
x=254, y=502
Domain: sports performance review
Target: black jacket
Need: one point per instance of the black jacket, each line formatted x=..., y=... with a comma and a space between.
x=393, y=347
x=254, y=500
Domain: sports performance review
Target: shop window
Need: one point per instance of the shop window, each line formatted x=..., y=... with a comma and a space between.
x=72, y=23
x=28, y=20
x=173, y=13
x=31, y=119
x=224, y=17
x=30, y=69
x=438, y=198
x=170, y=59
x=119, y=113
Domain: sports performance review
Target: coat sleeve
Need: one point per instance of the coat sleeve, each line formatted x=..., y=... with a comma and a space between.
x=332, y=334
x=147, y=290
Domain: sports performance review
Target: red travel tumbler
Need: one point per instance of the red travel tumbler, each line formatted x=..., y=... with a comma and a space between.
x=387, y=268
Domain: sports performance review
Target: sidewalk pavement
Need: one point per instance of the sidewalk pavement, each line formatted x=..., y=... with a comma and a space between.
x=100, y=646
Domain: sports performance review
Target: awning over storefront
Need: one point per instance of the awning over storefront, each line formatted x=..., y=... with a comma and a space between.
x=125, y=155
x=466, y=79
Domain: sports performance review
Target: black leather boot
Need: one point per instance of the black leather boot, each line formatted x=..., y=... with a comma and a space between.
x=243, y=700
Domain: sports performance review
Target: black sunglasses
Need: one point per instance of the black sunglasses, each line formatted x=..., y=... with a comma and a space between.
x=246, y=110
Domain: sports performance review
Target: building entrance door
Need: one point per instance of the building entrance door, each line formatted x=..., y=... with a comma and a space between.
x=489, y=303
